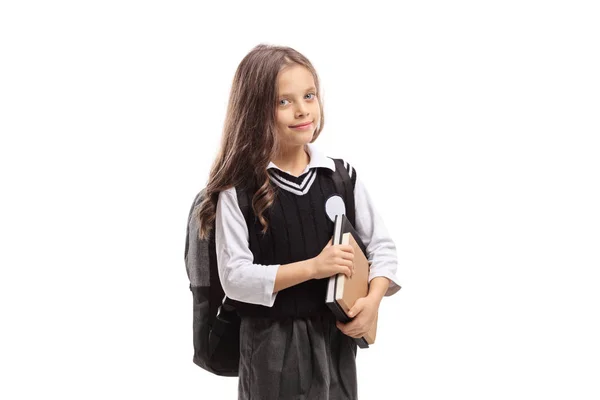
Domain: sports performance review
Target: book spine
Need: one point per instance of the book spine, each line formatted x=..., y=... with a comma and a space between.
x=337, y=311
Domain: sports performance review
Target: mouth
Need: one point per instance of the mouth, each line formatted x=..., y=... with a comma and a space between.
x=302, y=126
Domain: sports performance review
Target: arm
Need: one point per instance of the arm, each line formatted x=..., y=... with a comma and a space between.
x=293, y=274
x=381, y=250
x=241, y=279
x=381, y=254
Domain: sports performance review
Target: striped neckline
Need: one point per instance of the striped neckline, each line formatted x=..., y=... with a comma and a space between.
x=299, y=185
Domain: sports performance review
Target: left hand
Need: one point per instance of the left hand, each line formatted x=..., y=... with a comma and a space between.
x=363, y=313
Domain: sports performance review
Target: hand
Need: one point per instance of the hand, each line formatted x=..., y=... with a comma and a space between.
x=333, y=260
x=364, y=313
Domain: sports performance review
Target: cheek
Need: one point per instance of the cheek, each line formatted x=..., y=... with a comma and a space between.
x=283, y=118
x=316, y=111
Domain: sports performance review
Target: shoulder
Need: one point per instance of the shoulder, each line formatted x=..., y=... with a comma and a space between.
x=350, y=168
x=229, y=193
x=342, y=163
x=227, y=199
x=236, y=200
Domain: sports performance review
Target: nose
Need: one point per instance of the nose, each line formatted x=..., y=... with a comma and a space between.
x=301, y=110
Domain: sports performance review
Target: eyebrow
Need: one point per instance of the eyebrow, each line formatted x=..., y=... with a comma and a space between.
x=289, y=94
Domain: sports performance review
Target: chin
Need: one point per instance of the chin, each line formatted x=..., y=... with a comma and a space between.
x=302, y=134
x=299, y=141
x=305, y=139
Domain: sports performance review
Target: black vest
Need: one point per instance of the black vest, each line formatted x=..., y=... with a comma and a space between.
x=299, y=229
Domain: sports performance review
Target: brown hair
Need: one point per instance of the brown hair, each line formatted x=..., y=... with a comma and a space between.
x=249, y=139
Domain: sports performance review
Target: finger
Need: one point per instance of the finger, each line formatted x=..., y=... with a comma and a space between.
x=352, y=334
x=347, y=255
x=350, y=267
x=346, y=271
x=343, y=261
x=352, y=330
x=356, y=308
x=358, y=335
x=343, y=249
x=354, y=327
x=342, y=269
x=347, y=248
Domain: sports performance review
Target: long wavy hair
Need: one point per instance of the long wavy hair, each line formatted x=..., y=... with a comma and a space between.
x=250, y=141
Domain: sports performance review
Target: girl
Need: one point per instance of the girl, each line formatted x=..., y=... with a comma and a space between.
x=275, y=259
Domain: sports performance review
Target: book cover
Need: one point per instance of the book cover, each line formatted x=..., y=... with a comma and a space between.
x=342, y=292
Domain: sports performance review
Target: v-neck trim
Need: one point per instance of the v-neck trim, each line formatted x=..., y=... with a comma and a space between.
x=300, y=185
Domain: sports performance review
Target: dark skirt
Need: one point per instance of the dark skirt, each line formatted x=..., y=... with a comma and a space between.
x=296, y=358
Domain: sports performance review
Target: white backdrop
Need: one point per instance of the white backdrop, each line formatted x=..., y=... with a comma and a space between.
x=474, y=126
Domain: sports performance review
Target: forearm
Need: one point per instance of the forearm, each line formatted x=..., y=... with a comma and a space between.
x=378, y=287
x=292, y=274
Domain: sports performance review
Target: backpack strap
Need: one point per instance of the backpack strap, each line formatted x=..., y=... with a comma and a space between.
x=344, y=186
x=197, y=200
x=243, y=199
x=243, y=202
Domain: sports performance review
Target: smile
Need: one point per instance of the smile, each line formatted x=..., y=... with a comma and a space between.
x=302, y=127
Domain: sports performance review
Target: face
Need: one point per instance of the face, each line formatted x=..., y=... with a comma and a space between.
x=297, y=103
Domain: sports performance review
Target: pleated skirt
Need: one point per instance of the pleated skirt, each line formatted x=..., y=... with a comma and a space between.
x=296, y=359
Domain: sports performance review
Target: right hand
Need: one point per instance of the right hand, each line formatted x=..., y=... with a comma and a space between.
x=334, y=260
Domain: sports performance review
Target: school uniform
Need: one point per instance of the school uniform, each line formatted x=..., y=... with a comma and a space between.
x=290, y=347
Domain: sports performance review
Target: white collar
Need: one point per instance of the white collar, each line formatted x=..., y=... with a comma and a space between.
x=317, y=159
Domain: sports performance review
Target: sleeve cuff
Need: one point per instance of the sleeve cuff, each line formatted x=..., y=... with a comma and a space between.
x=394, y=286
x=270, y=274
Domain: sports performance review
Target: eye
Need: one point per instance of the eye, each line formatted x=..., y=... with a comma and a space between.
x=314, y=95
x=281, y=101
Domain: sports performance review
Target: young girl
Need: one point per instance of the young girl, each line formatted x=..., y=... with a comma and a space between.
x=275, y=261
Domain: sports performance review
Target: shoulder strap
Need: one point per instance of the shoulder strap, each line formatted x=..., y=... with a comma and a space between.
x=244, y=202
x=197, y=200
x=343, y=184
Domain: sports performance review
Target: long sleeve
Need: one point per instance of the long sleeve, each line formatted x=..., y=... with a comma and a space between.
x=381, y=250
x=241, y=279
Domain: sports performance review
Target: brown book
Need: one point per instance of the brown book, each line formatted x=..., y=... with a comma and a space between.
x=342, y=292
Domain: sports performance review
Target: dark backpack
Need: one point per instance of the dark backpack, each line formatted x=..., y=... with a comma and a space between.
x=216, y=324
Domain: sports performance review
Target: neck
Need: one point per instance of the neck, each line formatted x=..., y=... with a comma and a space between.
x=293, y=159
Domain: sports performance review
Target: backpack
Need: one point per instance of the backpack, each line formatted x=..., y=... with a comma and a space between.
x=216, y=324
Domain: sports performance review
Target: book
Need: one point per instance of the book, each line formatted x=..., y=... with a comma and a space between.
x=342, y=292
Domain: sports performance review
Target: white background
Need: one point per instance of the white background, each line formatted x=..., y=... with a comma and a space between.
x=474, y=125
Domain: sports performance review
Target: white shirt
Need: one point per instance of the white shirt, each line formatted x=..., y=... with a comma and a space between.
x=253, y=283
